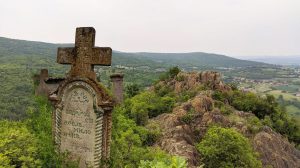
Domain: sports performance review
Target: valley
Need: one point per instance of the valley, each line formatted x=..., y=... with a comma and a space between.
x=21, y=60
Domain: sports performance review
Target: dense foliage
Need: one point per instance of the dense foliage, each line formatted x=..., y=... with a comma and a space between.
x=17, y=146
x=29, y=143
x=131, y=144
x=225, y=147
x=132, y=90
x=147, y=105
x=174, y=162
x=265, y=108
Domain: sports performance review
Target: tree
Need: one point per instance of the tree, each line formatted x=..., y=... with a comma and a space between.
x=225, y=147
x=170, y=74
x=174, y=71
x=132, y=90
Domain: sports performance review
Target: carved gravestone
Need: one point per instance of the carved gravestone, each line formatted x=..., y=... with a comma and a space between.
x=82, y=118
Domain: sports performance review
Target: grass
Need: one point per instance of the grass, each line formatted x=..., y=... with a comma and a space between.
x=261, y=88
x=286, y=96
x=288, y=88
x=294, y=112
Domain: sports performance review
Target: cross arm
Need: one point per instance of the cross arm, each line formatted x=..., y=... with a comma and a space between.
x=65, y=55
x=101, y=56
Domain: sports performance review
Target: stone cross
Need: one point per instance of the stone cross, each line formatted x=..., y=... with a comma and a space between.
x=82, y=117
x=84, y=55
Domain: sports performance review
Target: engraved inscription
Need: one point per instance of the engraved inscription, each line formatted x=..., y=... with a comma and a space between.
x=78, y=122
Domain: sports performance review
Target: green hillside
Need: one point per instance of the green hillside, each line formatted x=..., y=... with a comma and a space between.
x=194, y=59
x=20, y=60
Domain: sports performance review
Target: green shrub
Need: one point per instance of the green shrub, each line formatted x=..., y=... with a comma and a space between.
x=226, y=110
x=174, y=71
x=173, y=162
x=170, y=74
x=18, y=147
x=132, y=90
x=179, y=78
x=162, y=90
x=265, y=108
x=153, y=134
x=254, y=124
x=225, y=147
x=147, y=105
x=188, y=117
x=130, y=142
x=39, y=123
x=186, y=95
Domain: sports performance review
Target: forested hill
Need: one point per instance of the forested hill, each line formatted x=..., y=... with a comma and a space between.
x=11, y=47
x=20, y=60
x=193, y=59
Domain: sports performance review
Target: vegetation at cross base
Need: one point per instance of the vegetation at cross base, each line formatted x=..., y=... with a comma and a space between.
x=29, y=143
x=131, y=145
x=265, y=108
x=17, y=146
x=225, y=147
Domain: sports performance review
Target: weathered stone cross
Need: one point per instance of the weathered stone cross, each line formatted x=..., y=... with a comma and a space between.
x=84, y=55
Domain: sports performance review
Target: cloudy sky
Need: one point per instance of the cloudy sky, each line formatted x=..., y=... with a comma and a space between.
x=239, y=28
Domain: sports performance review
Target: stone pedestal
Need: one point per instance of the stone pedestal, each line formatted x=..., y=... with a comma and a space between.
x=117, y=87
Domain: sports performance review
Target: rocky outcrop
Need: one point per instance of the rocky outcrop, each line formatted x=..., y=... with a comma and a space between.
x=179, y=138
x=189, y=121
x=194, y=81
x=187, y=81
x=275, y=150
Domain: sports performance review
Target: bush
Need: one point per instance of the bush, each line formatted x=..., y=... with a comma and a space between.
x=254, y=124
x=225, y=147
x=162, y=90
x=188, y=117
x=130, y=142
x=266, y=109
x=39, y=123
x=173, y=162
x=174, y=71
x=147, y=105
x=170, y=74
x=18, y=147
x=186, y=95
x=179, y=78
x=153, y=134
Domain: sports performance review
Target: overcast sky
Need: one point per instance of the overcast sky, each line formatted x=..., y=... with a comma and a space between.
x=237, y=28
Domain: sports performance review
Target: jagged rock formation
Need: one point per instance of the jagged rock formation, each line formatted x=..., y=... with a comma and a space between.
x=180, y=136
x=275, y=150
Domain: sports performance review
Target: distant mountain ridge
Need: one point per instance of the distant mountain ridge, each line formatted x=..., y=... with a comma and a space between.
x=283, y=60
x=197, y=59
x=15, y=47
